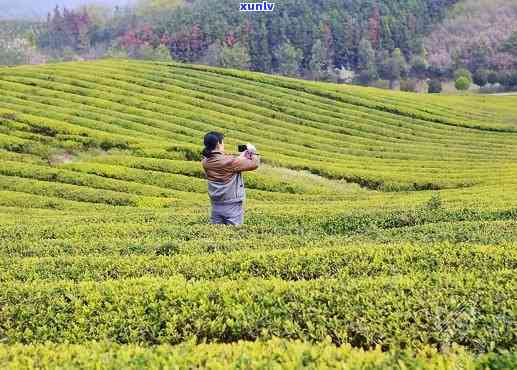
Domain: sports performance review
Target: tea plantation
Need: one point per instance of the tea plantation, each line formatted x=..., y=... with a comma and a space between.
x=380, y=232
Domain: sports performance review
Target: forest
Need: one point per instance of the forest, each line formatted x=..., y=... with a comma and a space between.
x=377, y=42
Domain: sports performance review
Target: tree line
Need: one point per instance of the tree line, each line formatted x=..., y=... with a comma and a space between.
x=368, y=42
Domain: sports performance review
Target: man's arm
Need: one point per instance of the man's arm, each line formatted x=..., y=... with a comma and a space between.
x=245, y=162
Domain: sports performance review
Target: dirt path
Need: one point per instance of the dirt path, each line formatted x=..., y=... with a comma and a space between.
x=503, y=94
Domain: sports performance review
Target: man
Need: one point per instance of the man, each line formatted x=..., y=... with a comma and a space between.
x=225, y=182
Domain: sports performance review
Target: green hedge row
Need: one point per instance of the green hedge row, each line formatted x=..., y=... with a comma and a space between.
x=475, y=310
x=273, y=354
x=404, y=181
x=46, y=120
x=110, y=116
x=26, y=202
x=81, y=193
x=198, y=83
x=134, y=231
x=267, y=178
x=253, y=91
x=347, y=261
x=149, y=177
x=146, y=240
x=64, y=72
x=359, y=222
x=361, y=97
x=60, y=175
x=189, y=88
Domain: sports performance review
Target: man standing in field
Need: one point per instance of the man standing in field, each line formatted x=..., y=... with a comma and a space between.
x=225, y=182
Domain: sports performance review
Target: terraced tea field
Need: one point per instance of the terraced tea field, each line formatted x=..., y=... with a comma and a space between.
x=380, y=232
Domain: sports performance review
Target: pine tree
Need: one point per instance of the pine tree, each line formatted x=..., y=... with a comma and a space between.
x=289, y=58
x=259, y=48
x=366, y=60
x=396, y=67
x=374, y=27
x=320, y=65
x=236, y=56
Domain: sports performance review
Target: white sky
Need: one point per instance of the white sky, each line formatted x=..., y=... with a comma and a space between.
x=10, y=9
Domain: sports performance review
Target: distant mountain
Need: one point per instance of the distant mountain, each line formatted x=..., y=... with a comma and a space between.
x=34, y=9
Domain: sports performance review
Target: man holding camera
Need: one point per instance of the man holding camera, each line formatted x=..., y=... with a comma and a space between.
x=224, y=175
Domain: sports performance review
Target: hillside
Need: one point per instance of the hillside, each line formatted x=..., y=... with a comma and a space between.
x=405, y=44
x=473, y=35
x=378, y=219
x=322, y=40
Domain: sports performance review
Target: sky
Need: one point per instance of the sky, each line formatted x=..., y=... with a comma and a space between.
x=21, y=9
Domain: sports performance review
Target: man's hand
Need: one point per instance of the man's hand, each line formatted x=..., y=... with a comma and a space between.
x=250, y=151
x=251, y=148
x=248, y=160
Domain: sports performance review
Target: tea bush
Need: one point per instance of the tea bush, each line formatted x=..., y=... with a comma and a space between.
x=274, y=354
x=380, y=231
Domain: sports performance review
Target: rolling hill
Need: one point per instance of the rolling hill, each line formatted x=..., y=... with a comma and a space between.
x=379, y=219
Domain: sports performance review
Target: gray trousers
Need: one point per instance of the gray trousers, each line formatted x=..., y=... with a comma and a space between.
x=227, y=214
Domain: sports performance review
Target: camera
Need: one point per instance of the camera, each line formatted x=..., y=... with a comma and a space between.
x=242, y=148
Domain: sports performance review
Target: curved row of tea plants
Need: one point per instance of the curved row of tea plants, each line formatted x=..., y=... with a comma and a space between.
x=377, y=219
x=277, y=353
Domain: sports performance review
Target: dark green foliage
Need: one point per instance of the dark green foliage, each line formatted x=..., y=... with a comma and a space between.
x=435, y=86
x=513, y=79
x=508, y=79
x=510, y=45
x=492, y=77
x=320, y=65
x=395, y=66
x=235, y=56
x=480, y=78
x=189, y=45
x=504, y=78
x=363, y=78
x=259, y=47
x=167, y=249
x=367, y=67
x=323, y=35
x=289, y=60
x=419, y=66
